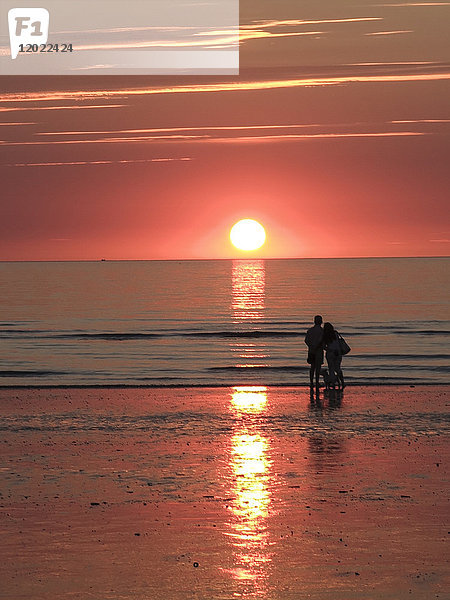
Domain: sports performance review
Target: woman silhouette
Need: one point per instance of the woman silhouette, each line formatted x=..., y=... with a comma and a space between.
x=333, y=354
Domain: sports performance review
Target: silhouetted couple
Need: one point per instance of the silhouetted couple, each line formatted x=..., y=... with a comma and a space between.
x=326, y=339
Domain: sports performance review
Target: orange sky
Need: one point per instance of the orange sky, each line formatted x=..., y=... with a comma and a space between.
x=335, y=136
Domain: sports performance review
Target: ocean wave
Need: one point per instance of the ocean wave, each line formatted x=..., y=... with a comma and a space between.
x=223, y=334
x=118, y=336
x=33, y=373
x=399, y=356
x=266, y=368
x=302, y=369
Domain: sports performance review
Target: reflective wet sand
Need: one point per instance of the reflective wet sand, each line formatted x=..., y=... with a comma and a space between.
x=245, y=492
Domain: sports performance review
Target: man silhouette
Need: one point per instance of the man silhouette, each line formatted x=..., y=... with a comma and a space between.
x=313, y=339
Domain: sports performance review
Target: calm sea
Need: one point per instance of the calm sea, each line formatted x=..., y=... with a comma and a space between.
x=220, y=322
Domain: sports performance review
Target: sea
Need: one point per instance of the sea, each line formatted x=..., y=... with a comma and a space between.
x=220, y=322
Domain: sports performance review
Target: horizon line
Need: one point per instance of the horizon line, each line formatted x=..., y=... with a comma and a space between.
x=219, y=259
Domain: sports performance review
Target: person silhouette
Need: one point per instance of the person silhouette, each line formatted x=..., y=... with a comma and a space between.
x=313, y=339
x=333, y=354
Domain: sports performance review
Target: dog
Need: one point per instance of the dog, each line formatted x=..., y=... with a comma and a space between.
x=329, y=380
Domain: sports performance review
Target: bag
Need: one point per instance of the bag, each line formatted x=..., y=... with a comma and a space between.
x=345, y=348
x=311, y=358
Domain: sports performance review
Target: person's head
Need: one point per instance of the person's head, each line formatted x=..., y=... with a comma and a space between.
x=328, y=332
x=318, y=320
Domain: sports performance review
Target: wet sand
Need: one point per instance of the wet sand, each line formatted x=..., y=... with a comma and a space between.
x=224, y=493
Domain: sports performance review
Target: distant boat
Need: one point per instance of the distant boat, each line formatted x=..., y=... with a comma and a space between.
x=103, y=259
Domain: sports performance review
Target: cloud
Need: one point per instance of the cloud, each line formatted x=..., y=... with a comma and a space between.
x=390, y=32
x=423, y=121
x=231, y=86
x=72, y=107
x=175, y=138
x=406, y=4
x=212, y=40
x=173, y=132
x=203, y=38
x=182, y=129
x=295, y=22
x=391, y=64
x=255, y=24
x=207, y=37
x=309, y=136
x=98, y=162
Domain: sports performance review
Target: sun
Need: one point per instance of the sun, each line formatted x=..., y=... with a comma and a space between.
x=247, y=234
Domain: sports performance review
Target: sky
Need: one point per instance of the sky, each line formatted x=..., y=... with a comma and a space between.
x=335, y=136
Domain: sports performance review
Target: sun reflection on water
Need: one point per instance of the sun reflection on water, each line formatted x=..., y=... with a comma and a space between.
x=248, y=305
x=250, y=483
x=250, y=467
x=248, y=281
x=249, y=399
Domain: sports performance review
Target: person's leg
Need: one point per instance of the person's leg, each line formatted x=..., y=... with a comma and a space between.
x=317, y=372
x=319, y=363
x=339, y=373
x=311, y=374
x=331, y=369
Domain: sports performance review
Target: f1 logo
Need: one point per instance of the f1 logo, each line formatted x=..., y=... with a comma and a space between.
x=27, y=26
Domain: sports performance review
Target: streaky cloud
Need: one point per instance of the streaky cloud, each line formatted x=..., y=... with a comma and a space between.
x=220, y=128
x=390, y=32
x=226, y=40
x=72, y=107
x=99, y=162
x=306, y=136
x=233, y=86
x=406, y=4
x=295, y=22
x=422, y=121
x=105, y=140
x=179, y=129
x=225, y=140
x=416, y=63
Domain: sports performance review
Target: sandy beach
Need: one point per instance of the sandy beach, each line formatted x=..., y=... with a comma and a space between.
x=224, y=493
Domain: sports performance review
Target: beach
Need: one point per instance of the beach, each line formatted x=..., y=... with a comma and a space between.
x=186, y=193
x=222, y=493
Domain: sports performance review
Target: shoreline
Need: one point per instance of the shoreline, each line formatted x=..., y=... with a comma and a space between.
x=211, y=386
x=220, y=493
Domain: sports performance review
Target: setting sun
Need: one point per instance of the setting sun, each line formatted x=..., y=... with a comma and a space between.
x=247, y=234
